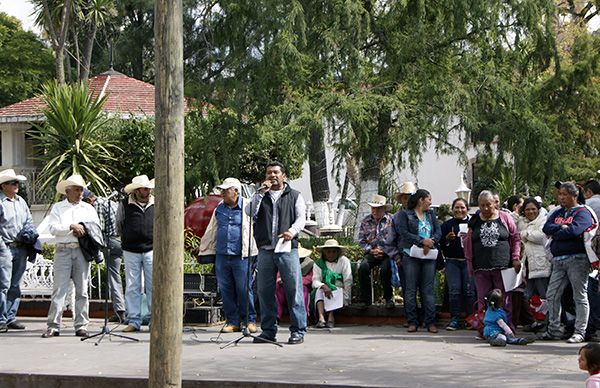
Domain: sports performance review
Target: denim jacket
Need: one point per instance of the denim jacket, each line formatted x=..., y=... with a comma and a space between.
x=405, y=231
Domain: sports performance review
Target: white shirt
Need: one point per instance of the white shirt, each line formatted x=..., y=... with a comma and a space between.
x=65, y=213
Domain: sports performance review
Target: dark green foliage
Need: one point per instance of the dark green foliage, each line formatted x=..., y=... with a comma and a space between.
x=25, y=62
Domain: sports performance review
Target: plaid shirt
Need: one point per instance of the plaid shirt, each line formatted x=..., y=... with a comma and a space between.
x=106, y=210
x=372, y=234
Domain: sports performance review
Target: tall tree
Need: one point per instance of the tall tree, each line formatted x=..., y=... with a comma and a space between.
x=25, y=62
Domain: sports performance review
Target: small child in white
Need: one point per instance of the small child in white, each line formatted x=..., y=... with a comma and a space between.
x=496, y=329
x=589, y=360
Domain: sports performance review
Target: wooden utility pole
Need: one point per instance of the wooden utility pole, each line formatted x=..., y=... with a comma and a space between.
x=167, y=276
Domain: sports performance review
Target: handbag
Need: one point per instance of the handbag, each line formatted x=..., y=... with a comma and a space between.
x=475, y=320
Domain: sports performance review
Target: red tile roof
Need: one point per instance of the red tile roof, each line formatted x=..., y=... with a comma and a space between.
x=125, y=95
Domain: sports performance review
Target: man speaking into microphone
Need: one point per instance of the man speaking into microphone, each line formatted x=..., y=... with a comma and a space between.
x=279, y=215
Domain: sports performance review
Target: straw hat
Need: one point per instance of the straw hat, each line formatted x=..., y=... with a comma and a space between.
x=9, y=175
x=139, y=182
x=303, y=252
x=407, y=188
x=331, y=243
x=73, y=180
x=377, y=201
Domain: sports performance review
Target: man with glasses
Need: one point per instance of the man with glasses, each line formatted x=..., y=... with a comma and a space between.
x=14, y=217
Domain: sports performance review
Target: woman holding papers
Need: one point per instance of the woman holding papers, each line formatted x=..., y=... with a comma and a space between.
x=332, y=282
x=461, y=288
x=491, y=245
x=418, y=234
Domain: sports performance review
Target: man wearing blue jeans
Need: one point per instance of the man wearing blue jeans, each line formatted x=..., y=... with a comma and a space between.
x=135, y=223
x=228, y=236
x=14, y=216
x=278, y=213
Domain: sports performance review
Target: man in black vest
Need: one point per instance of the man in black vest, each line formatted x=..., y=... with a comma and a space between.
x=279, y=217
x=135, y=221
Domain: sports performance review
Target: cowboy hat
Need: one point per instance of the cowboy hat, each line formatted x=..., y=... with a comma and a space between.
x=73, y=180
x=139, y=182
x=229, y=183
x=407, y=188
x=377, y=201
x=331, y=243
x=303, y=252
x=9, y=175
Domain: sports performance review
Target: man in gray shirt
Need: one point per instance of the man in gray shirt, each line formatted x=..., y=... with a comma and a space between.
x=591, y=191
x=14, y=216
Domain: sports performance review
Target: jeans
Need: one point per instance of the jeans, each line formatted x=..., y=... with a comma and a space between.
x=364, y=275
x=12, y=269
x=419, y=273
x=288, y=265
x=113, y=268
x=69, y=263
x=573, y=269
x=536, y=286
x=136, y=265
x=594, y=301
x=461, y=288
x=232, y=275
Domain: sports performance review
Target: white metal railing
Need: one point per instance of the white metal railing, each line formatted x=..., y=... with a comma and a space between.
x=35, y=194
x=38, y=280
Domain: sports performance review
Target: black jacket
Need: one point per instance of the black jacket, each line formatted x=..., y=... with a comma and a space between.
x=92, y=242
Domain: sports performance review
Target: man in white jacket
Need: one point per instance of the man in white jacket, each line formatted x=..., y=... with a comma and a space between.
x=228, y=237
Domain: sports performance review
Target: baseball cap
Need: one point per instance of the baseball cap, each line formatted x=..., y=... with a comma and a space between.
x=229, y=183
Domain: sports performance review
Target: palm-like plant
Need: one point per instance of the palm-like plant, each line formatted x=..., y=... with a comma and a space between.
x=68, y=140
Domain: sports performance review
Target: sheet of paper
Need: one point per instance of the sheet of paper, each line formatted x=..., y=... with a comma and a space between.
x=283, y=246
x=336, y=301
x=463, y=228
x=511, y=279
x=417, y=253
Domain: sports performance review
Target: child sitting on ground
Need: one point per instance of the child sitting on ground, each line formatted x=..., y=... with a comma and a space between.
x=589, y=360
x=496, y=329
x=331, y=272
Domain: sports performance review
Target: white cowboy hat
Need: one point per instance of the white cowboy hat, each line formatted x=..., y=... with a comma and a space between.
x=303, y=252
x=331, y=243
x=73, y=180
x=377, y=201
x=139, y=182
x=407, y=188
x=9, y=175
x=230, y=182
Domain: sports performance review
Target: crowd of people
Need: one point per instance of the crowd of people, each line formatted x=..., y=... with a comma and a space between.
x=260, y=236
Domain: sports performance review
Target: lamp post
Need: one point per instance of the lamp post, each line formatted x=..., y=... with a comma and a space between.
x=463, y=191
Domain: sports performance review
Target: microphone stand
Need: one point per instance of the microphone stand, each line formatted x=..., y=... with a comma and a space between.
x=245, y=332
x=105, y=330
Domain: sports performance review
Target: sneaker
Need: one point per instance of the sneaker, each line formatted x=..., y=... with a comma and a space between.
x=546, y=336
x=534, y=327
x=230, y=328
x=3, y=327
x=525, y=341
x=575, y=339
x=252, y=327
x=452, y=326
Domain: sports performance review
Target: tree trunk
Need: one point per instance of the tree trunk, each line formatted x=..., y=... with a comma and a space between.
x=60, y=64
x=167, y=276
x=87, y=54
x=319, y=182
x=369, y=186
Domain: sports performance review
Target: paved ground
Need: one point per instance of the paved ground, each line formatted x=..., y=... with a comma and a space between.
x=373, y=356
